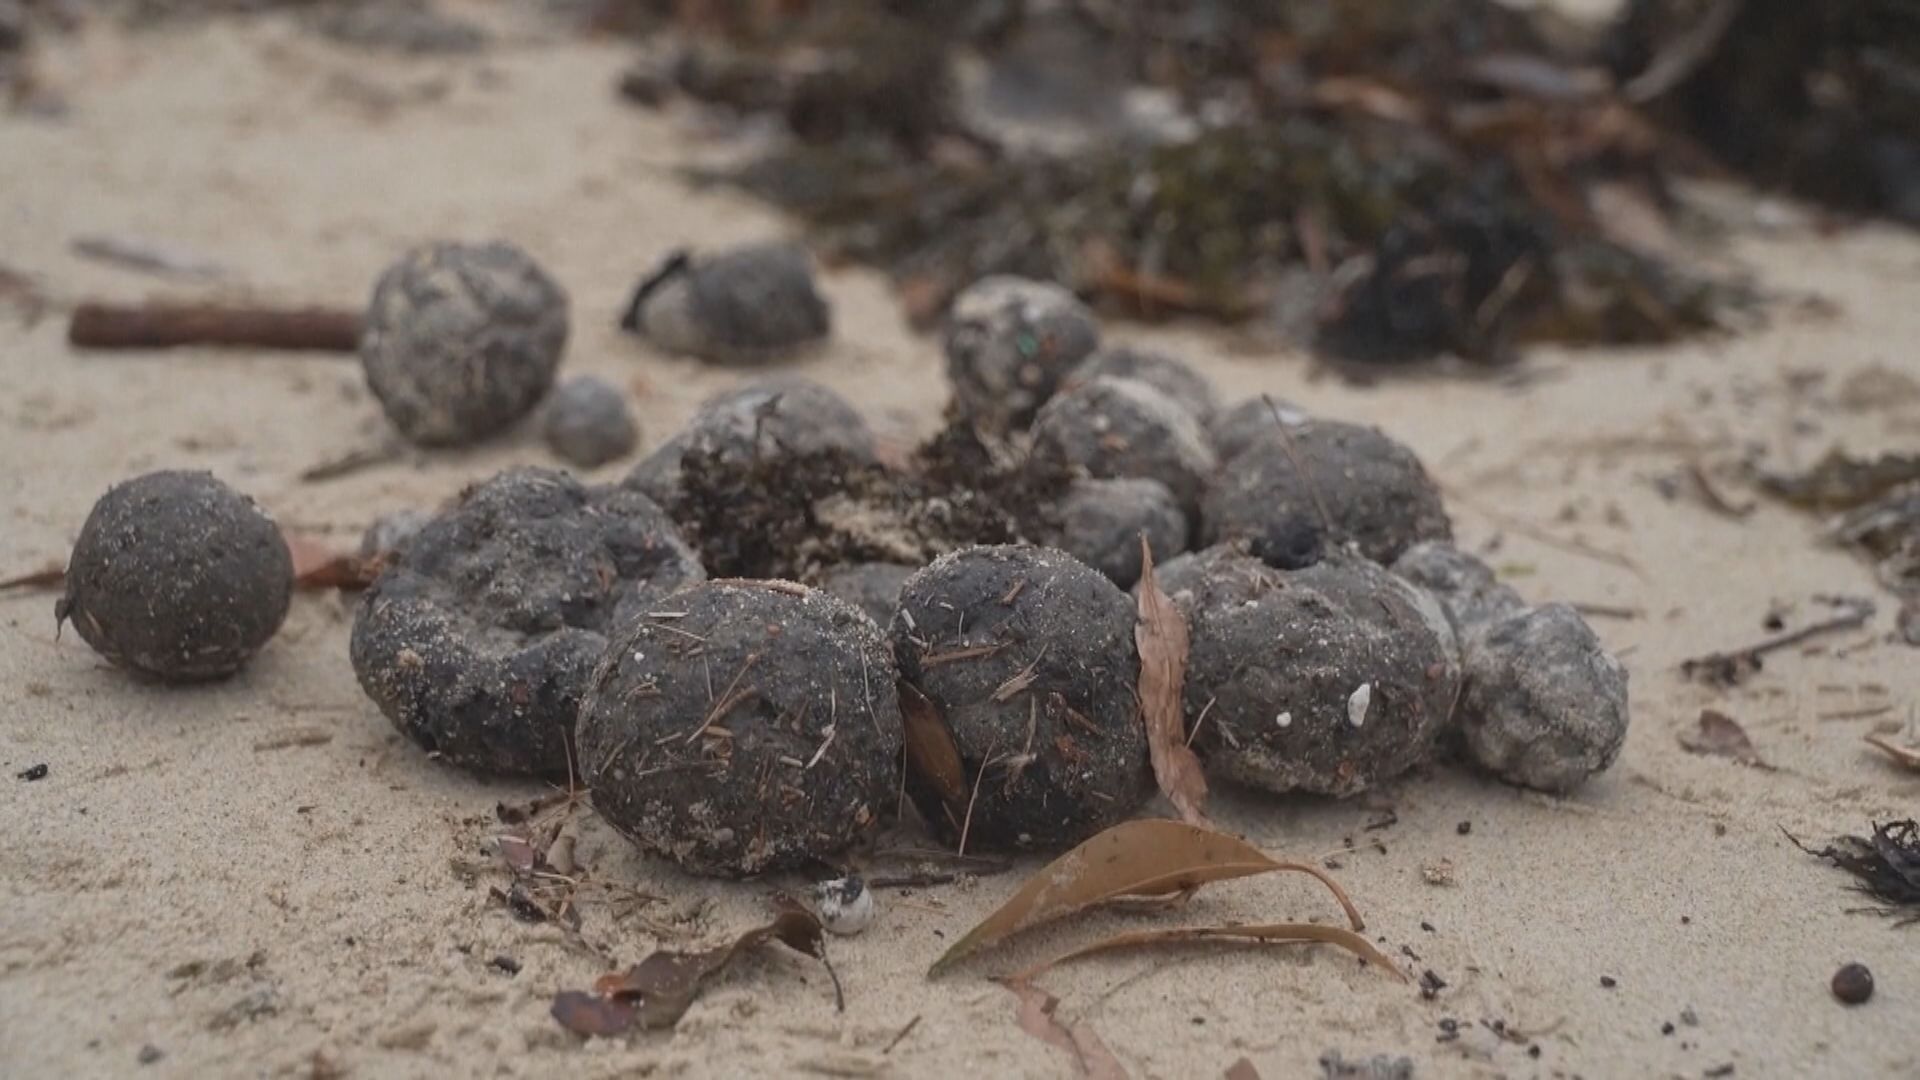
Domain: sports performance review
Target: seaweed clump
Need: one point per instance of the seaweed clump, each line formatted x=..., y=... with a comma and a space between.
x=796, y=515
x=1885, y=866
x=1385, y=181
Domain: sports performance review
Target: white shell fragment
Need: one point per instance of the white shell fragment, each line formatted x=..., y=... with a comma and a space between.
x=1357, y=704
x=846, y=905
x=1284, y=720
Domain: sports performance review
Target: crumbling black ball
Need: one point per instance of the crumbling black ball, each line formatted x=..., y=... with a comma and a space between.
x=178, y=576
x=748, y=726
x=1101, y=522
x=1168, y=374
x=781, y=415
x=750, y=305
x=462, y=340
x=1281, y=494
x=1328, y=679
x=478, y=642
x=1028, y=655
x=588, y=422
x=1113, y=427
x=873, y=587
x=1009, y=343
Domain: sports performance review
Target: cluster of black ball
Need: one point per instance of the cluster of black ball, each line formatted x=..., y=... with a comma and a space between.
x=538, y=625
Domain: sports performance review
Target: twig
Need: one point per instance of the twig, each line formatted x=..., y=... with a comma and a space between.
x=1717, y=499
x=1683, y=55
x=161, y=326
x=1607, y=611
x=351, y=462
x=1731, y=666
x=967, y=824
x=1293, y=455
x=47, y=576
x=904, y=1032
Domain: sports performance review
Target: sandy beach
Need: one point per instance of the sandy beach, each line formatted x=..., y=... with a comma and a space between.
x=262, y=877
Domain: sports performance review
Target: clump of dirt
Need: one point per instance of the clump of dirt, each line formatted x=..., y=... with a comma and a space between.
x=747, y=726
x=798, y=515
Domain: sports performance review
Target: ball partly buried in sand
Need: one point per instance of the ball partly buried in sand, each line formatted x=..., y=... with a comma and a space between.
x=478, y=641
x=1028, y=655
x=178, y=576
x=462, y=340
x=1327, y=679
x=747, y=726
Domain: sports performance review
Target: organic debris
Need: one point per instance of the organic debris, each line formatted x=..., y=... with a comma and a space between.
x=658, y=990
x=1273, y=933
x=1418, y=179
x=1161, y=636
x=1822, y=100
x=1142, y=859
x=317, y=565
x=1037, y=1016
x=1720, y=735
x=1840, y=481
x=1734, y=668
x=1887, y=532
x=51, y=576
x=165, y=326
x=1907, y=756
x=1885, y=866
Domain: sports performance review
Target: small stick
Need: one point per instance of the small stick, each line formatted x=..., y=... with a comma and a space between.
x=1293, y=456
x=1856, y=613
x=161, y=326
x=46, y=577
x=904, y=1032
x=1607, y=611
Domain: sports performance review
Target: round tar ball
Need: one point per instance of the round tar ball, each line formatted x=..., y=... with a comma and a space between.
x=1328, y=679
x=178, y=576
x=462, y=340
x=478, y=641
x=1546, y=704
x=750, y=305
x=1281, y=493
x=1463, y=584
x=755, y=729
x=1028, y=655
x=873, y=587
x=588, y=422
x=1101, y=522
x=1009, y=342
x=1113, y=427
x=1168, y=374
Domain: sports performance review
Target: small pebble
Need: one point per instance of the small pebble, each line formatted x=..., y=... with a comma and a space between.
x=588, y=422
x=1853, y=984
x=149, y=1054
x=846, y=905
x=33, y=772
x=1609, y=981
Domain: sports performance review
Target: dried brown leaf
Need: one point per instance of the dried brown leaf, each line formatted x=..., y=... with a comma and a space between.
x=932, y=755
x=1037, y=1017
x=1908, y=756
x=1271, y=933
x=49, y=576
x=1133, y=859
x=519, y=853
x=1720, y=735
x=1161, y=636
x=590, y=1014
x=664, y=985
x=318, y=565
x=1242, y=1070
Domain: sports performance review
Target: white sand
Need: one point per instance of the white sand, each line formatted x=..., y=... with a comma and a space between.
x=163, y=837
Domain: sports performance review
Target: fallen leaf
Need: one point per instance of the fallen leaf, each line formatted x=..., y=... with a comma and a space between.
x=519, y=854
x=932, y=756
x=1270, y=933
x=1160, y=633
x=589, y=1014
x=664, y=985
x=1146, y=858
x=316, y=565
x=1242, y=1070
x=47, y=576
x=1037, y=1017
x=1720, y=735
x=1908, y=756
